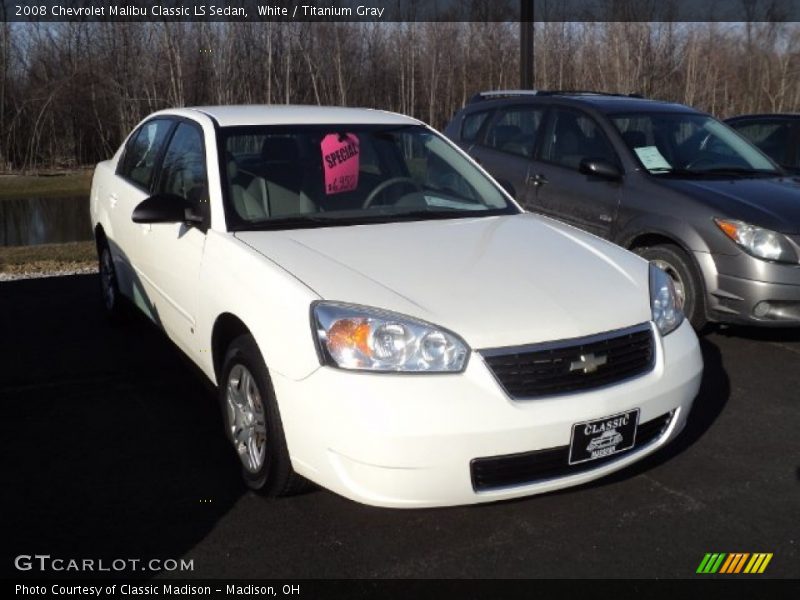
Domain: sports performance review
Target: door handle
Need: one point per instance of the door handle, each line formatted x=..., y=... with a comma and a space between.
x=536, y=179
x=112, y=199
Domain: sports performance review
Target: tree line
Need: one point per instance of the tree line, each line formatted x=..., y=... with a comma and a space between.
x=70, y=92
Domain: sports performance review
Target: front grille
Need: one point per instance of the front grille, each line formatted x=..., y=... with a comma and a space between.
x=531, y=467
x=566, y=366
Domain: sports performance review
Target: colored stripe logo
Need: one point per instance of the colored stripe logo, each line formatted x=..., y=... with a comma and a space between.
x=734, y=563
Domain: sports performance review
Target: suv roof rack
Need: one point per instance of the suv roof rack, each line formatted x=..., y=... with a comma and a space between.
x=490, y=95
x=585, y=93
x=501, y=94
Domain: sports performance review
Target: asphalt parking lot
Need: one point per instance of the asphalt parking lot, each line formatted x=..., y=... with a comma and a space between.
x=112, y=447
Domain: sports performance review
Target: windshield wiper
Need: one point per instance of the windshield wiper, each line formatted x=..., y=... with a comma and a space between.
x=740, y=171
x=359, y=217
x=291, y=222
x=671, y=171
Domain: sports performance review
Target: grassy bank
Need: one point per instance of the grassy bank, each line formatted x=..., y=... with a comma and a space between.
x=47, y=257
x=73, y=183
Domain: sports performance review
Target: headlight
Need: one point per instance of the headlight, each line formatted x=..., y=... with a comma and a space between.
x=761, y=243
x=664, y=303
x=369, y=339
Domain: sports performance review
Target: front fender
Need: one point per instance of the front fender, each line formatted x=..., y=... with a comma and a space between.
x=272, y=303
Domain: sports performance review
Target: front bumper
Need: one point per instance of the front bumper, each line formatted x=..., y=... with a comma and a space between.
x=408, y=440
x=750, y=291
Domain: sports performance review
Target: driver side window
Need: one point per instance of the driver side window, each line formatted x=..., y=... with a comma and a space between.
x=572, y=137
x=138, y=163
x=184, y=167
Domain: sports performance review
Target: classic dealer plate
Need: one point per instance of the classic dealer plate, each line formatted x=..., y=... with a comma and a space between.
x=603, y=437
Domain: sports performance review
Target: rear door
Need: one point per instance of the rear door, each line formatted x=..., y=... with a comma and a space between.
x=558, y=188
x=505, y=146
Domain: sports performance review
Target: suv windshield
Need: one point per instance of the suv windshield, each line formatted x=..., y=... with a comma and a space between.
x=309, y=176
x=688, y=144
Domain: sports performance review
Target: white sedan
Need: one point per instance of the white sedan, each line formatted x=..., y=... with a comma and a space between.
x=379, y=316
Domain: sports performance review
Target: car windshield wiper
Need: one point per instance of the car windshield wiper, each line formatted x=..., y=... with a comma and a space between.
x=440, y=212
x=360, y=217
x=713, y=172
x=740, y=171
x=291, y=222
x=675, y=172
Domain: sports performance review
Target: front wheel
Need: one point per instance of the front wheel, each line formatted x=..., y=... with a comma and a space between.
x=688, y=284
x=253, y=422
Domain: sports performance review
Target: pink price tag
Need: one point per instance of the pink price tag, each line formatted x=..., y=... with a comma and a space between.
x=340, y=162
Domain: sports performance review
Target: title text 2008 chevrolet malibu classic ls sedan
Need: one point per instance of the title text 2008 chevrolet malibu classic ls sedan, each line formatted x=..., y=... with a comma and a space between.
x=377, y=313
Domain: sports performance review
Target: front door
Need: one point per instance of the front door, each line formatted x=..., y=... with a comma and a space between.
x=136, y=170
x=173, y=252
x=559, y=188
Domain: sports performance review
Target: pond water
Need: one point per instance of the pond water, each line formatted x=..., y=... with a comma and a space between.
x=32, y=221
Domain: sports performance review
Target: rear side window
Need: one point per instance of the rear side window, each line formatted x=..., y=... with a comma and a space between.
x=572, y=137
x=472, y=125
x=514, y=130
x=771, y=137
x=144, y=147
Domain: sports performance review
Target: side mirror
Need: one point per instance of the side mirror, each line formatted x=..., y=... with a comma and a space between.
x=164, y=208
x=598, y=167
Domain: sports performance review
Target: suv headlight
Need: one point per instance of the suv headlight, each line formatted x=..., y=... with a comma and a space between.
x=664, y=303
x=759, y=242
x=369, y=339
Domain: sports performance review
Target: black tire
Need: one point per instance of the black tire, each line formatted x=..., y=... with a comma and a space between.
x=680, y=267
x=275, y=476
x=113, y=302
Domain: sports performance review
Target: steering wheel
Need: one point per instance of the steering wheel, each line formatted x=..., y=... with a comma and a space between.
x=381, y=187
x=698, y=161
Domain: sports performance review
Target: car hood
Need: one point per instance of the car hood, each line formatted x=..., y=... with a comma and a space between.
x=495, y=281
x=773, y=203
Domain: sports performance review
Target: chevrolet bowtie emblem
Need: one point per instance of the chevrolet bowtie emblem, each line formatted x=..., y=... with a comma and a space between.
x=588, y=363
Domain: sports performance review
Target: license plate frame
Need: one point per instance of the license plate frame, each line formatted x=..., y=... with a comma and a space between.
x=603, y=437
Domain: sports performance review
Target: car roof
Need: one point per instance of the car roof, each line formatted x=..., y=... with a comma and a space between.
x=606, y=103
x=288, y=114
x=788, y=116
x=622, y=104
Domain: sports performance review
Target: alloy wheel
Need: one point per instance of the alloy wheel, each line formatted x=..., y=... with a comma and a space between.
x=248, y=428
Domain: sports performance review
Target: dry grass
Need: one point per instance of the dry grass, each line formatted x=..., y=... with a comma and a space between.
x=75, y=183
x=47, y=257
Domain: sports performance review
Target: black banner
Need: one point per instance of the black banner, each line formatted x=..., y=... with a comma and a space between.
x=400, y=10
x=484, y=589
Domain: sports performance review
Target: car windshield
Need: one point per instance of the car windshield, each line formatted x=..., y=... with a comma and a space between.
x=690, y=145
x=310, y=176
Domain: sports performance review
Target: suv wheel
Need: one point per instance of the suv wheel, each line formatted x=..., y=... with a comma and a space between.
x=253, y=423
x=688, y=284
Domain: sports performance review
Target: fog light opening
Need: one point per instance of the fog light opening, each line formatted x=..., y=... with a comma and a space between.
x=762, y=309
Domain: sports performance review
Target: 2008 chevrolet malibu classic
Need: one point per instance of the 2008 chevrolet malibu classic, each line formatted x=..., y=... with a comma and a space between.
x=377, y=313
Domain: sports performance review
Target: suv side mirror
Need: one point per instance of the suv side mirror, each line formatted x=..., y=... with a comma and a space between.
x=598, y=167
x=164, y=208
